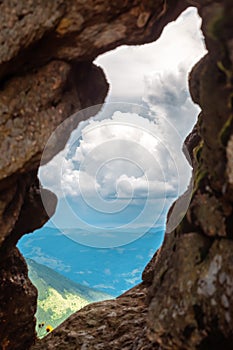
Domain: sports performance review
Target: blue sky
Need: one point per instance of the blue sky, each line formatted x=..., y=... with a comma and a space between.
x=111, y=270
x=124, y=167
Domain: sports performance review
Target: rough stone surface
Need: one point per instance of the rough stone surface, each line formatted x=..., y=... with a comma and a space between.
x=46, y=50
x=104, y=324
x=198, y=310
x=21, y=302
x=46, y=72
x=230, y=160
x=34, y=32
x=190, y=303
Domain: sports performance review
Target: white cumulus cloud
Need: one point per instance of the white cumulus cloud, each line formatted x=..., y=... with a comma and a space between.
x=130, y=153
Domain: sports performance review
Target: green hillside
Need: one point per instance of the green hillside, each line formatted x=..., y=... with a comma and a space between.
x=58, y=297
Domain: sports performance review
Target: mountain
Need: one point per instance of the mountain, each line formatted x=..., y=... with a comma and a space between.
x=58, y=296
x=112, y=270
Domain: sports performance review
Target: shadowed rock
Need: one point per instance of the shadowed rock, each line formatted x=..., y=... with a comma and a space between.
x=46, y=71
x=46, y=50
x=18, y=301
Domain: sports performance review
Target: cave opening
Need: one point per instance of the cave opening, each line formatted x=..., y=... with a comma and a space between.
x=78, y=257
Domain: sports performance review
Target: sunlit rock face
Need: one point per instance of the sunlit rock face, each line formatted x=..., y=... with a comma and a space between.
x=185, y=301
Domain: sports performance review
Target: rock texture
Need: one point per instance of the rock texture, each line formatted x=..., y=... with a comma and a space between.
x=198, y=312
x=46, y=50
x=105, y=325
x=17, y=300
x=46, y=72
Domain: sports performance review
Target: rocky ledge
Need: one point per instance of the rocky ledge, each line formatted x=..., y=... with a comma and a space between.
x=46, y=54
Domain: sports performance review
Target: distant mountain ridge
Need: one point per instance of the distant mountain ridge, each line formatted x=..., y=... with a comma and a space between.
x=58, y=296
x=111, y=271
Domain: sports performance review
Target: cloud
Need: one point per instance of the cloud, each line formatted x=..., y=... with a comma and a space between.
x=180, y=43
x=121, y=168
x=133, y=281
x=132, y=273
x=167, y=96
x=151, y=253
x=103, y=286
x=84, y=272
x=119, y=162
x=161, y=68
x=132, y=277
x=56, y=264
x=85, y=283
x=124, y=157
x=120, y=250
x=140, y=257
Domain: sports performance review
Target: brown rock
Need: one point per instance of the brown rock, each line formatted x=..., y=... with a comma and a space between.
x=35, y=32
x=17, y=303
x=230, y=161
x=112, y=324
x=46, y=49
x=197, y=311
x=47, y=74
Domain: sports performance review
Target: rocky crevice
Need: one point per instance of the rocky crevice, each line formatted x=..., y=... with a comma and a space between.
x=46, y=50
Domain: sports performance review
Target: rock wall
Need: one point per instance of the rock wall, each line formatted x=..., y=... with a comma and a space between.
x=46, y=50
x=197, y=312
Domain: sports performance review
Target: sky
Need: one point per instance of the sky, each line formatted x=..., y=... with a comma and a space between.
x=121, y=169
x=112, y=270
